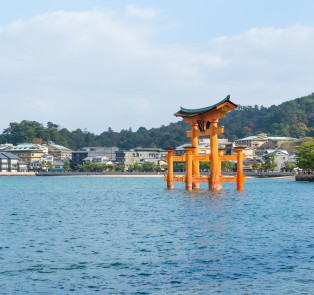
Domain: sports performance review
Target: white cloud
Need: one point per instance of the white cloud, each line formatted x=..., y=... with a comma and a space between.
x=144, y=13
x=97, y=69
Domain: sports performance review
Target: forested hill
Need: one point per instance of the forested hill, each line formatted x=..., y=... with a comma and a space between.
x=293, y=118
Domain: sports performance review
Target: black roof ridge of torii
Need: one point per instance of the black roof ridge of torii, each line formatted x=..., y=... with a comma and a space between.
x=194, y=112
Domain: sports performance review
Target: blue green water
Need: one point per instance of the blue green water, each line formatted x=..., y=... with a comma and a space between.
x=132, y=236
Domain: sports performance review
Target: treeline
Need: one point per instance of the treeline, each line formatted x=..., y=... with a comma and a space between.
x=293, y=118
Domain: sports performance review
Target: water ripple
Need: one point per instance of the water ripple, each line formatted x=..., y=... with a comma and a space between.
x=132, y=236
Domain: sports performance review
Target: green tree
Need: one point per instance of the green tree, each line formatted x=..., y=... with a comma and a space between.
x=66, y=166
x=227, y=165
x=135, y=167
x=204, y=165
x=42, y=165
x=149, y=166
x=270, y=163
x=305, y=156
x=120, y=168
x=110, y=168
x=49, y=166
x=256, y=166
x=290, y=167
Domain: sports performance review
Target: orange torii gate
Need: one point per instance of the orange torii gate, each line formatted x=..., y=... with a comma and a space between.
x=204, y=121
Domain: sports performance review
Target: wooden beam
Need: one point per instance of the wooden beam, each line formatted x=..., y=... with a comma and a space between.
x=202, y=158
x=219, y=130
x=198, y=133
x=228, y=178
x=229, y=157
x=176, y=158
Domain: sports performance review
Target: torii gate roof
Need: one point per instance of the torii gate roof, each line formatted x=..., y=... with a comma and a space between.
x=188, y=113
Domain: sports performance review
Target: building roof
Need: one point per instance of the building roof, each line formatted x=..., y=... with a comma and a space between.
x=182, y=146
x=59, y=147
x=10, y=155
x=281, y=138
x=2, y=156
x=47, y=156
x=263, y=136
x=88, y=159
x=138, y=149
x=194, y=112
x=271, y=152
x=106, y=162
x=26, y=146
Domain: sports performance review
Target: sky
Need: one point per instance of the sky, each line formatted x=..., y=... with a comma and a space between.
x=125, y=64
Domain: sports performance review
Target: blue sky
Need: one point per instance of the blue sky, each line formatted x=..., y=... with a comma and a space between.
x=94, y=64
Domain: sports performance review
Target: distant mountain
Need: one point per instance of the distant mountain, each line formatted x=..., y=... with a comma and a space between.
x=293, y=118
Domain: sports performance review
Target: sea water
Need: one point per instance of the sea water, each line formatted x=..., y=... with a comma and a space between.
x=88, y=235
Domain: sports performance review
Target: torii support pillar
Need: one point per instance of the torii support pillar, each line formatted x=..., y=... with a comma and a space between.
x=214, y=179
x=170, y=168
x=196, y=163
x=240, y=178
x=189, y=168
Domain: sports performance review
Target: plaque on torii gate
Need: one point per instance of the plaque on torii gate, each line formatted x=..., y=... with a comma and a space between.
x=204, y=122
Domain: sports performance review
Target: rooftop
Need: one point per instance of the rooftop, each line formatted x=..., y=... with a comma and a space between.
x=194, y=112
x=9, y=155
x=27, y=146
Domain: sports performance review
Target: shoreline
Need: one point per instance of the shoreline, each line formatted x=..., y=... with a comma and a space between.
x=126, y=174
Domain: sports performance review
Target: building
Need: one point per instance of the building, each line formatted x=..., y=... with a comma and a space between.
x=256, y=141
x=3, y=146
x=79, y=156
x=8, y=162
x=248, y=164
x=282, y=157
x=204, y=147
x=59, y=151
x=249, y=152
x=137, y=155
x=22, y=166
x=28, y=152
x=57, y=165
x=42, y=163
x=109, y=152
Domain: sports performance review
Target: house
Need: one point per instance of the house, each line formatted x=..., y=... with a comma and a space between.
x=3, y=146
x=42, y=163
x=256, y=141
x=57, y=165
x=8, y=162
x=281, y=157
x=79, y=156
x=22, y=166
x=204, y=147
x=98, y=159
x=58, y=151
x=249, y=152
x=249, y=162
x=127, y=158
x=28, y=152
x=160, y=164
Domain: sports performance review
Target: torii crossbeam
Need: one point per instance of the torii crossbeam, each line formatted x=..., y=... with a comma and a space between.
x=203, y=122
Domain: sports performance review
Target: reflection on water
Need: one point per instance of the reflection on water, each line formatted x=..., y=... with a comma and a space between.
x=128, y=236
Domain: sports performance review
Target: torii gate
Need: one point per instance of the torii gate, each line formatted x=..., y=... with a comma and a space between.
x=204, y=121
